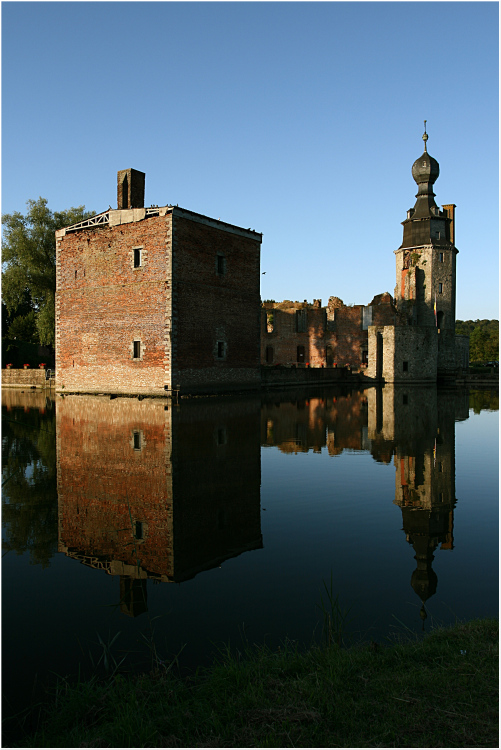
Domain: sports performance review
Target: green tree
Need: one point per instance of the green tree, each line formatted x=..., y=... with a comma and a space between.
x=29, y=268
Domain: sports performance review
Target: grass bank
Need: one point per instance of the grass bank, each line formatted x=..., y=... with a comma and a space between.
x=438, y=692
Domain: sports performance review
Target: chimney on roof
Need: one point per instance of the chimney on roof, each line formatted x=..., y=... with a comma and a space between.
x=130, y=188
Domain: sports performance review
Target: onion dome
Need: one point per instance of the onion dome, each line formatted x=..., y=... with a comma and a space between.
x=425, y=169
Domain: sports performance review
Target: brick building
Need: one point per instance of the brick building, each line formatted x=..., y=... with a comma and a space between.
x=151, y=300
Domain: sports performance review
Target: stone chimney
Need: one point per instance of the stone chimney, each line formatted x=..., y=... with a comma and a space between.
x=130, y=189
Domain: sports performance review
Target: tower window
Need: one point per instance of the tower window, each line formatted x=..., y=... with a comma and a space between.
x=136, y=352
x=137, y=440
x=405, y=366
x=441, y=257
x=440, y=288
x=220, y=349
x=137, y=257
x=138, y=532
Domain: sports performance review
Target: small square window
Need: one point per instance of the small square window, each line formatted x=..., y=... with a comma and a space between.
x=137, y=257
x=137, y=350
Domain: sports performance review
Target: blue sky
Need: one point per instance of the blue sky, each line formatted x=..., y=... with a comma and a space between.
x=298, y=120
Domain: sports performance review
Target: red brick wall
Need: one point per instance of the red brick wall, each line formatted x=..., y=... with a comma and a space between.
x=210, y=307
x=339, y=328
x=189, y=524
x=103, y=304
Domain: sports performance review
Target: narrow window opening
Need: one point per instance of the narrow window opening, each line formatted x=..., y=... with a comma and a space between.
x=405, y=366
x=269, y=355
x=221, y=265
x=441, y=257
x=137, y=441
x=220, y=349
x=300, y=354
x=137, y=350
x=440, y=288
x=405, y=398
x=137, y=257
x=221, y=436
x=270, y=325
x=75, y=274
x=139, y=530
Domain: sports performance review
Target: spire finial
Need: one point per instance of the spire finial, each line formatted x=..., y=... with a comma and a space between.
x=425, y=137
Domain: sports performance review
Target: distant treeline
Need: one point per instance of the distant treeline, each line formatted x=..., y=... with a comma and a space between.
x=484, y=338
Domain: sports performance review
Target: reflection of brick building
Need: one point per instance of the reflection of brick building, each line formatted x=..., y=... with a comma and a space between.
x=145, y=493
x=153, y=299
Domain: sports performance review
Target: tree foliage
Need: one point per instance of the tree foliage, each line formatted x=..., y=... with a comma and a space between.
x=484, y=338
x=29, y=268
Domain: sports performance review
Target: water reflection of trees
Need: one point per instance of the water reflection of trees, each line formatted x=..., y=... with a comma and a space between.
x=484, y=401
x=29, y=497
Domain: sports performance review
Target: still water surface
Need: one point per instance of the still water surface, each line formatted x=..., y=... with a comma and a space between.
x=217, y=522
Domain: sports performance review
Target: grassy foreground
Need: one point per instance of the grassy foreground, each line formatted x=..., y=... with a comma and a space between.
x=439, y=692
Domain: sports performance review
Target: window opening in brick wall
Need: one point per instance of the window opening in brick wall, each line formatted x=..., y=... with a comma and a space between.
x=137, y=350
x=405, y=398
x=137, y=440
x=300, y=354
x=269, y=355
x=220, y=349
x=270, y=322
x=300, y=321
x=137, y=257
x=441, y=257
x=405, y=366
x=75, y=274
x=440, y=288
x=138, y=534
x=221, y=264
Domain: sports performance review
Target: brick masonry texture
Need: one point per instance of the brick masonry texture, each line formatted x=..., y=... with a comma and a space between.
x=334, y=334
x=109, y=481
x=196, y=318
x=23, y=378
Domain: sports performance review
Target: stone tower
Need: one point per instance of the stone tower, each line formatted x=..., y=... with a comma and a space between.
x=426, y=263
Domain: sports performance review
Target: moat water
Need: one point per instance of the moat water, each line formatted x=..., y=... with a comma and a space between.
x=220, y=522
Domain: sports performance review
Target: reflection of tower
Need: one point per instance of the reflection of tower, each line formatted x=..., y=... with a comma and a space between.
x=420, y=423
x=147, y=493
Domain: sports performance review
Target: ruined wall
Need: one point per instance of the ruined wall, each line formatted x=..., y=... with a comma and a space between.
x=335, y=335
x=403, y=354
x=216, y=304
x=104, y=303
